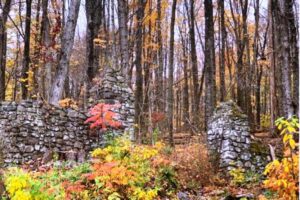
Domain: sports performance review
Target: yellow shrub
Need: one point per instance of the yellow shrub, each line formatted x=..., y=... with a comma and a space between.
x=282, y=176
x=238, y=176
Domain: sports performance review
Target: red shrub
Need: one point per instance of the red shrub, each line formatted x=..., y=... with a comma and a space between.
x=103, y=117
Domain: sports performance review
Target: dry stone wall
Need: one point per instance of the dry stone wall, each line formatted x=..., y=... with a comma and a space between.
x=28, y=129
x=229, y=139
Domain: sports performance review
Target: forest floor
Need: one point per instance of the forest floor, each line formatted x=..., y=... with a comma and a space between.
x=196, y=178
x=217, y=185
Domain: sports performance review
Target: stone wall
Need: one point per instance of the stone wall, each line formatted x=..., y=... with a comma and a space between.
x=30, y=128
x=229, y=139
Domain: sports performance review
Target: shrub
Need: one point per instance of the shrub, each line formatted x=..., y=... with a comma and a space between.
x=128, y=171
x=238, y=176
x=103, y=116
x=282, y=176
x=121, y=170
x=192, y=166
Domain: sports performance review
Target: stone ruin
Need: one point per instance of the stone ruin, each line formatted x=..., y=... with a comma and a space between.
x=229, y=140
x=29, y=129
x=113, y=89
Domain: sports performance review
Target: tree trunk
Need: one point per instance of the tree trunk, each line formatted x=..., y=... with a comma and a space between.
x=209, y=62
x=66, y=46
x=194, y=61
x=123, y=35
x=139, y=70
x=170, y=75
x=271, y=44
x=222, y=50
x=185, y=93
x=3, y=46
x=45, y=71
x=94, y=19
x=294, y=53
x=159, y=70
x=284, y=56
x=26, y=56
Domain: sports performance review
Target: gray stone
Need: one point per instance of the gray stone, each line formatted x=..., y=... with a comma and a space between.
x=28, y=149
x=229, y=127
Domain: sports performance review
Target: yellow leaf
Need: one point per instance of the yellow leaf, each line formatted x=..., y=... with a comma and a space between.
x=291, y=129
x=287, y=137
x=108, y=158
x=292, y=143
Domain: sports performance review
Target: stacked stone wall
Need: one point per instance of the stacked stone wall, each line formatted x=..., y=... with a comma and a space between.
x=30, y=128
x=229, y=139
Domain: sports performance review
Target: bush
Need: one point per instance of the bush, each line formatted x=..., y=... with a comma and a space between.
x=132, y=171
x=193, y=167
x=122, y=170
x=283, y=176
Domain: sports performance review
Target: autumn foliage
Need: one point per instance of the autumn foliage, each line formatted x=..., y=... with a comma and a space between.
x=103, y=116
x=283, y=176
x=121, y=170
x=157, y=117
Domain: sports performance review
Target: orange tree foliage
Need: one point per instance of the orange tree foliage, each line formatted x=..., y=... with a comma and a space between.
x=103, y=116
x=68, y=103
x=283, y=176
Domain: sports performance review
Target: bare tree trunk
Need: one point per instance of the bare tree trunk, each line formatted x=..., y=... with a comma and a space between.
x=45, y=71
x=185, y=93
x=66, y=46
x=26, y=58
x=170, y=75
x=3, y=46
x=222, y=50
x=94, y=19
x=194, y=61
x=294, y=53
x=272, y=73
x=123, y=34
x=139, y=70
x=159, y=71
x=210, y=82
x=284, y=56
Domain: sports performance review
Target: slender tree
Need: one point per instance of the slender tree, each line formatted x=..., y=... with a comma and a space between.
x=196, y=99
x=26, y=56
x=209, y=61
x=222, y=49
x=123, y=36
x=139, y=69
x=160, y=68
x=3, y=45
x=45, y=70
x=170, y=74
x=66, y=46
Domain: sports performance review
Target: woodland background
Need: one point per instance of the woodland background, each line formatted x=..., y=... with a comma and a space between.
x=180, y=57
